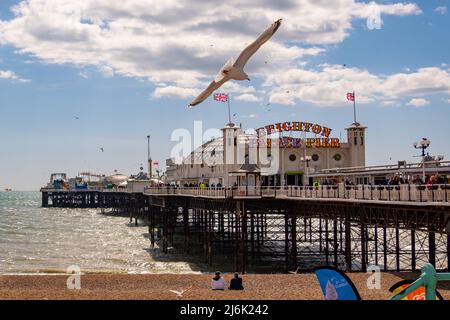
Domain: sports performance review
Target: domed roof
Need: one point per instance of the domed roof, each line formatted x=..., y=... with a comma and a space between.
x=211, y=152
x=117, y=178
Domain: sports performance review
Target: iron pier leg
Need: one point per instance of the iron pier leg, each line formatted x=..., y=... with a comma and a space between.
x=348, y=243
x=413, y=250
x=294, y=240
x=432, y=248
x=363, y=245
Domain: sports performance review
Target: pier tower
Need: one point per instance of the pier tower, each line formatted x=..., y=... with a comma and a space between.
x=357, y=145
x=231, y=133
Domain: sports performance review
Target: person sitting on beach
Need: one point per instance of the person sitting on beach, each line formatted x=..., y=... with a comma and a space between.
x=217, y=282
x=236, y=283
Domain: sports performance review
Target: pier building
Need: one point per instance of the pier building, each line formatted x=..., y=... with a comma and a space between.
x=279, y=154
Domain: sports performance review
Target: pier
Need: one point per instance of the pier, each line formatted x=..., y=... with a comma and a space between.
x=397, y=228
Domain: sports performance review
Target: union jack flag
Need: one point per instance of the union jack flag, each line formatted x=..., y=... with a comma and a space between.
x=351, y=96
x=222, y=97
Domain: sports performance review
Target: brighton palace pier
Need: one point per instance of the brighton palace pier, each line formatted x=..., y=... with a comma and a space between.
x=275, y=155
x=285, y=196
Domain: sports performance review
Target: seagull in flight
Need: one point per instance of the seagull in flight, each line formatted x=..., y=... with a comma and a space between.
x=294, y=272
x=180, y=293
x=102, y=150
x=76, y=117
x=235, y=69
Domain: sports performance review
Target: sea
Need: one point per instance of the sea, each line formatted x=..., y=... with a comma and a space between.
x=36, y=240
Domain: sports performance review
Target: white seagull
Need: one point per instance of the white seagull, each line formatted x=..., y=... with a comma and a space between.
x=180, y=293
x=294, y=272
x=235, y=70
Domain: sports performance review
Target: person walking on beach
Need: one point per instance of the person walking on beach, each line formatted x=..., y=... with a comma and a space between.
x=236, y=283
x=217, y=282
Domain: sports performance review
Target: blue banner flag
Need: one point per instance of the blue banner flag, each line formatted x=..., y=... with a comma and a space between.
x=335, y=284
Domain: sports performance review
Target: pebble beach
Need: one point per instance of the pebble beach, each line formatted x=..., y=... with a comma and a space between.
x=158, y=286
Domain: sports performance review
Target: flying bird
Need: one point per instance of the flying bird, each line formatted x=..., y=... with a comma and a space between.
x=102, y=150
x=180, y=293
x=235, y=69
x=76, y=117
x=294, y=272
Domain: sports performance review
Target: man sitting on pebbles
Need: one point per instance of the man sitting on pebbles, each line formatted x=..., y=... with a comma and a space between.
x=236, y=283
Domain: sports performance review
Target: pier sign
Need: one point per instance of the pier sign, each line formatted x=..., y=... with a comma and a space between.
x=323, y=141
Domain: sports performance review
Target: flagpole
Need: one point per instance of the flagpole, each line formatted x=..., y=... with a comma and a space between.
x=354, y=107
x=229, y=112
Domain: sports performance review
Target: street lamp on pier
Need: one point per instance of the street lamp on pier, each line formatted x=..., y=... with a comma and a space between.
x=149, y=158
x=306, y=160
x=423, y=144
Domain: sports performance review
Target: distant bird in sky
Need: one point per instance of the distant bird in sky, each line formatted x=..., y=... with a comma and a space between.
x=102, y=150
x=234, y=114
x=76, y=117
x=235, y=69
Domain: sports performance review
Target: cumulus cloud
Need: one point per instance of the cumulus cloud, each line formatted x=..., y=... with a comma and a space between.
x=161, y=42
x=441, y=10
x=418, y=102
x=175, y=92
x=328, y=85
x=247, y=97
x=12, y=76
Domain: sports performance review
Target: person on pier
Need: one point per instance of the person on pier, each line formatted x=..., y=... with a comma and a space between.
x=218, y=283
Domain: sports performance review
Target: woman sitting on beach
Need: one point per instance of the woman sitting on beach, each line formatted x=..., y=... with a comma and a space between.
x=217, y=282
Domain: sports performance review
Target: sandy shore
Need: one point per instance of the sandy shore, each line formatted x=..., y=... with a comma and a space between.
x=154, y=287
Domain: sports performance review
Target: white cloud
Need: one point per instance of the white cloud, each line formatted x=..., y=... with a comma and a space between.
x=12, y=76
x=328, y=85
x=418, y=102
x=247, y=97
x=84, y=74
x=441, y=10
x=388, y=103
x=160, y=41
x=175, y=92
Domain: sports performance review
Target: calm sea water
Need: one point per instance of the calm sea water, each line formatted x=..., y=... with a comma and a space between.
x=46, y=240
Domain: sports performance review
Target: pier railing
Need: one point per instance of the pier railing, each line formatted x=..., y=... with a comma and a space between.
x=405, y=192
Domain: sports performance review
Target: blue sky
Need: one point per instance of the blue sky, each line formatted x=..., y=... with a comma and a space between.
x=53, y=72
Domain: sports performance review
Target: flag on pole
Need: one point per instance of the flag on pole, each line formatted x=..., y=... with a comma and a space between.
x=350, y=96
x=222, y=97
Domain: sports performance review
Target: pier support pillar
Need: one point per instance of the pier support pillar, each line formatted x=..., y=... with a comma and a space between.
x=186, y=229
x=294, y=240
x=363, y=245
x=335, y=241
x=348, y=243
x=432, y=248
x=413, y=250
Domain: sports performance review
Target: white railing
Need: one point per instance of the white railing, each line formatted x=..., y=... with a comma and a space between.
x=405, y=192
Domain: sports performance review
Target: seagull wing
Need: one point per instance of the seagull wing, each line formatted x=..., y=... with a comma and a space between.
x=253, y=47
x=176, y=292
x=207, y=92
